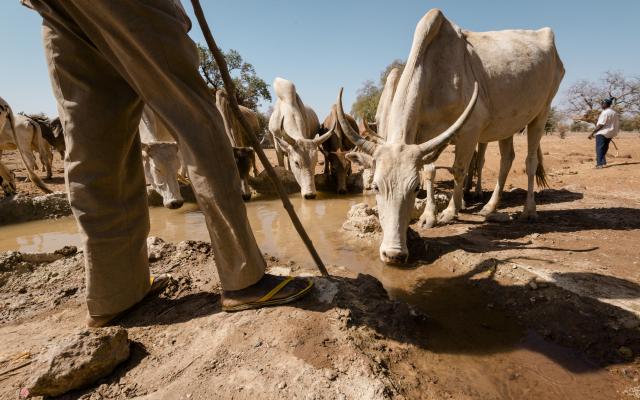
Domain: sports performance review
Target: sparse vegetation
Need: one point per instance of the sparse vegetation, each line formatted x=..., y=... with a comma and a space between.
x=369, y=94
x=251, y=89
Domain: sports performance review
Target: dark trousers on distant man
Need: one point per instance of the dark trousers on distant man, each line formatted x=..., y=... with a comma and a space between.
x=602, y=146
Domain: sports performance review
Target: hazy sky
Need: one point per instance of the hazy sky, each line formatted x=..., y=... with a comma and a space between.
x=322, y=45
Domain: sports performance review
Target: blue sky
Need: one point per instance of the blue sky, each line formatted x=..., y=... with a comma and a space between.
x=322, y=45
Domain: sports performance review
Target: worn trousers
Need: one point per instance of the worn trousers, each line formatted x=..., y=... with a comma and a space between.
x=106, y=59
x=602, y=147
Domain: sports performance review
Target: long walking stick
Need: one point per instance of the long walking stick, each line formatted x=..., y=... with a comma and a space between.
x=250, y=135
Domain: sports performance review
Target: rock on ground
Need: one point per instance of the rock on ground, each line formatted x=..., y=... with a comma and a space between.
x=78, y=361
x=363, y=220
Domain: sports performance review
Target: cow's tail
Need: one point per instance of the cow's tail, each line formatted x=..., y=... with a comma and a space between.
x=541, y=175
x=30, y=173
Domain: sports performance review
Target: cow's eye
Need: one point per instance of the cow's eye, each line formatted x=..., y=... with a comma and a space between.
x=374, y=187
x=417, y=189
x=297, y=164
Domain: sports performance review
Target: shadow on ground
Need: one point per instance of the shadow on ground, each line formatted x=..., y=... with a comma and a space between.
x=469, y=314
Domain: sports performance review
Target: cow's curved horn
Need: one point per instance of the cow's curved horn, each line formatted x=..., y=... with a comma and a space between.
x=285, y=135
x=365, y=128
x=443, y=139
x=318, y=140
x=366, y=146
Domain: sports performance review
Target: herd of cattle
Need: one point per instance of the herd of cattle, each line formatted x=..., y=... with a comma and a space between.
x=458, y=87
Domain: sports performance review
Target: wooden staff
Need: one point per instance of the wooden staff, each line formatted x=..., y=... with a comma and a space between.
x=250, y=135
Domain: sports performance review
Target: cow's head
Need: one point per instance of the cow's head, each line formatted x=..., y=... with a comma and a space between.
x=396, y=178
x=340, y=168
x=7, y=181
x=244, y=157
x=58, y=136
x=161, y=164
x=303, y=158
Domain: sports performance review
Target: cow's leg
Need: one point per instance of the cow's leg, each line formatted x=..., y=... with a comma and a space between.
x=482, y=150
x=535, y=131
x=506, y=159
x=468, y=181
x=46, y=155
x=464, y=152
x=428, y=217
x=254, y=165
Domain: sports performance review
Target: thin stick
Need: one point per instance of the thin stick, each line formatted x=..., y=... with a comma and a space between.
x=250, y=135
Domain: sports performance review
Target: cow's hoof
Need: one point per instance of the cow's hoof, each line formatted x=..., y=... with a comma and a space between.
x=427, y=223
x=446, y=217
x=528, y=216
x=486, y=210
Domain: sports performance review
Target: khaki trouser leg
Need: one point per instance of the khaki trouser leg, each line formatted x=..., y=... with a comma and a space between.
x=147, y=43
x=103, y=163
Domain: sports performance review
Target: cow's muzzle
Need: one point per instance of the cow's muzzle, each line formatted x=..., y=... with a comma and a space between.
x=392, y=256
x=174, y=204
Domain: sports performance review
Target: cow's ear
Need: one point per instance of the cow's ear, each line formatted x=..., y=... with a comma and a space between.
x=365, y=160
x=145, y=148
x=283, y=144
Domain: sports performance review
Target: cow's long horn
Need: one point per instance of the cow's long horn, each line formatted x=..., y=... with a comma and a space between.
x=443, y=139
x=365, y=128
x=285, y=135
x=366, y=146
x=318, y=140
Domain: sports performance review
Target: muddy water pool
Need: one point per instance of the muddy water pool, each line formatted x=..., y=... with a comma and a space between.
x=274, y=232
x=465, y=338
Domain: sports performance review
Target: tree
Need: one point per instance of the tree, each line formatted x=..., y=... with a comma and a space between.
x=367, y=101
x=583, y=97
x=250, y=88
x=368, y=95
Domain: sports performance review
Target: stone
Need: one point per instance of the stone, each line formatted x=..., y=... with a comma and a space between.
x=362, y=218
x=80, y=360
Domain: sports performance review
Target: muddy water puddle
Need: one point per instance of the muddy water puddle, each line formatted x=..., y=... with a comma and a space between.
x=469, y=344
x=274, y=232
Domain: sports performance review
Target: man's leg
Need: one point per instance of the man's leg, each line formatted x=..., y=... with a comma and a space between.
x=147, y=43
x=605, y=149
x=600, y=150
x=103, y=165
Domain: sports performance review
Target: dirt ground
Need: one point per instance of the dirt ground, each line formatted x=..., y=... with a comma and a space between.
x=514, y=310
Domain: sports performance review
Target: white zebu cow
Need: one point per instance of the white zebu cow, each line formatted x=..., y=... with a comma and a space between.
x=161, y=159
x=516, y=73
x=21, y=133
x=294, y=128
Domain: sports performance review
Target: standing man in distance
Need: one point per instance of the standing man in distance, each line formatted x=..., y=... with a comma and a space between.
x=607, y=128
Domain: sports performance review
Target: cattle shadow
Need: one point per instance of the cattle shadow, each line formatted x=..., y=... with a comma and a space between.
x=476, y=314
x=470, y=314
x=517, y=197
x=56, y=180
x=493, y=236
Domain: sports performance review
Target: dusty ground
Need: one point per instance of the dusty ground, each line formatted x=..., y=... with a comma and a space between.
x=514, y=310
